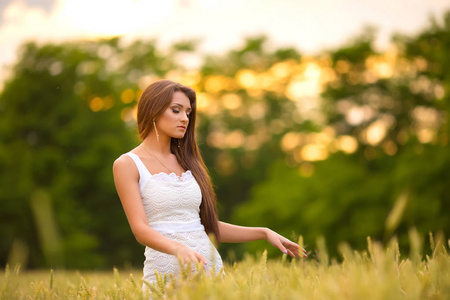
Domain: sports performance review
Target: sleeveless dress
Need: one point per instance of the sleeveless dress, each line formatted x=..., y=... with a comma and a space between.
x=172, y=207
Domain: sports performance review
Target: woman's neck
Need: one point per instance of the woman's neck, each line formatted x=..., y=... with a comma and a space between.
x=161, y=147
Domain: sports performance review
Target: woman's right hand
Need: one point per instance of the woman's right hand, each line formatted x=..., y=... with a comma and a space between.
x=186, y=254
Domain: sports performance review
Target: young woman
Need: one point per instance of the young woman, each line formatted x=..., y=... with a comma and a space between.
x=166, y=191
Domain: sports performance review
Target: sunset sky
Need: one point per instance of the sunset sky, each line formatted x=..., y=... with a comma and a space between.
x=310, y=26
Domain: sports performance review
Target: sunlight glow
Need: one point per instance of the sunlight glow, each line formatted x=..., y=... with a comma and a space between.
x=231, y=101
x=376, y=132
x=217, y=83
x=308, y=82
x=382, y=66
x=389, y=147
x=246, y=78
x=347, y=144
x=191, y=78
x=96, y=104
x=257, y=111
x=313, y=152
x=252, y=143
x=290, y=141
x=425, y=135
x=298, y=89
x=235, y=139
x=427, y=120
x=127, y=114
x=144, y=81
x=216, y=139
x=282, y=70
x=203, y=101
x=127, y=96
x=213, y=84
x=357, y=115
x=342, y=66
x=312, y=71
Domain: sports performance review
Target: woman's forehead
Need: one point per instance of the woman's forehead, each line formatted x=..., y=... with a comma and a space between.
x=179, y=98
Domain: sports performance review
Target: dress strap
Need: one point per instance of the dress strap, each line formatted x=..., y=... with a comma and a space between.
x=144, y=174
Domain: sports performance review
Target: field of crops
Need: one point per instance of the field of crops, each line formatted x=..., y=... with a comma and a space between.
x=377, y=273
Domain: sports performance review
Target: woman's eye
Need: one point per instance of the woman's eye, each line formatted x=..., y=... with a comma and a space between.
x=177, y=111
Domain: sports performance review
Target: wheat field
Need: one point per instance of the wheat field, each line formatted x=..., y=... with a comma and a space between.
x=376, y=273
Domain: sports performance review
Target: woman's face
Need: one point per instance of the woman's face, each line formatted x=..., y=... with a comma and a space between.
x=175, y=120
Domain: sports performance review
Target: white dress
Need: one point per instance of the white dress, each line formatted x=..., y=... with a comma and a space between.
x=172, y=208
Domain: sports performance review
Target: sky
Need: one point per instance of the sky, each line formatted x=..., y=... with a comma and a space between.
x=310, y=26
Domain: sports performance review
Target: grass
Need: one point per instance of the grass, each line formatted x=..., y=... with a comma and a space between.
x=377, y=273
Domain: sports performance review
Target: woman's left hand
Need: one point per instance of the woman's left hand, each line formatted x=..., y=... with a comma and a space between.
x=286, y=246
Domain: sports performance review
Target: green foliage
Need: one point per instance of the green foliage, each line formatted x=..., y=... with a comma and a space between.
x=335, y=200
x=348, y=199
x=67, y=114
x=54, y=144
x=392, y=183
x=357, y=49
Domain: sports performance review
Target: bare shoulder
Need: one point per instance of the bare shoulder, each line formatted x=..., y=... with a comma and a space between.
x=124, y=164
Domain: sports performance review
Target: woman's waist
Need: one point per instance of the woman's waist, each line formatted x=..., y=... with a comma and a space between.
x=174, y=227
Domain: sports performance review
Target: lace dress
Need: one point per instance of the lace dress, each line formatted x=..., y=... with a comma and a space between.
x=172, y=207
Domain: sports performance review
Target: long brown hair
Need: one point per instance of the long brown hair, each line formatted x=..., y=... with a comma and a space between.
x=153, y=102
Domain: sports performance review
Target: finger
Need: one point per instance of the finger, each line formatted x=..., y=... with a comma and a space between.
x=201, y=259
x=287, y=243
x=295, y=252
x=292, y=245
x=291, y=253
x=193, y=258
x=303, y=253
x=283, y=245
x=182, y=258
x=283, y=249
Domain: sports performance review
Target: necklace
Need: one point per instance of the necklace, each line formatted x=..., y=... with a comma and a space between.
x=179, y=177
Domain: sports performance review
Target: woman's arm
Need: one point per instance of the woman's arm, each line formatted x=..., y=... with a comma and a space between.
x=236, y=234
x=126, y=178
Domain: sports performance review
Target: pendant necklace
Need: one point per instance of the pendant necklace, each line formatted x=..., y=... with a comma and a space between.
x=179, y=177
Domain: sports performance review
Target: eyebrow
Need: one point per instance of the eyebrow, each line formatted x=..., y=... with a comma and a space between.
x=182, y=106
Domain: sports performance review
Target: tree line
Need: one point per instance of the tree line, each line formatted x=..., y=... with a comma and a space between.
x=349, y=143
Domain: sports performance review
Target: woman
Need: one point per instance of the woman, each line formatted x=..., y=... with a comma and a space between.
x=166, y=191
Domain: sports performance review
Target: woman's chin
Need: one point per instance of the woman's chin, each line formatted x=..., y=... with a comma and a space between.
x=178, y=136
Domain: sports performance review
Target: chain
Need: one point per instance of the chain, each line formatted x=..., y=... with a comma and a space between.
x=179, y=177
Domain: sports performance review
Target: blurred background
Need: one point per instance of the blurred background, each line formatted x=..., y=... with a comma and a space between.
x=316, y=118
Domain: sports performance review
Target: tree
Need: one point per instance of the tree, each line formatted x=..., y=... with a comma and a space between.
x=389, y=113
x=61, y=131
